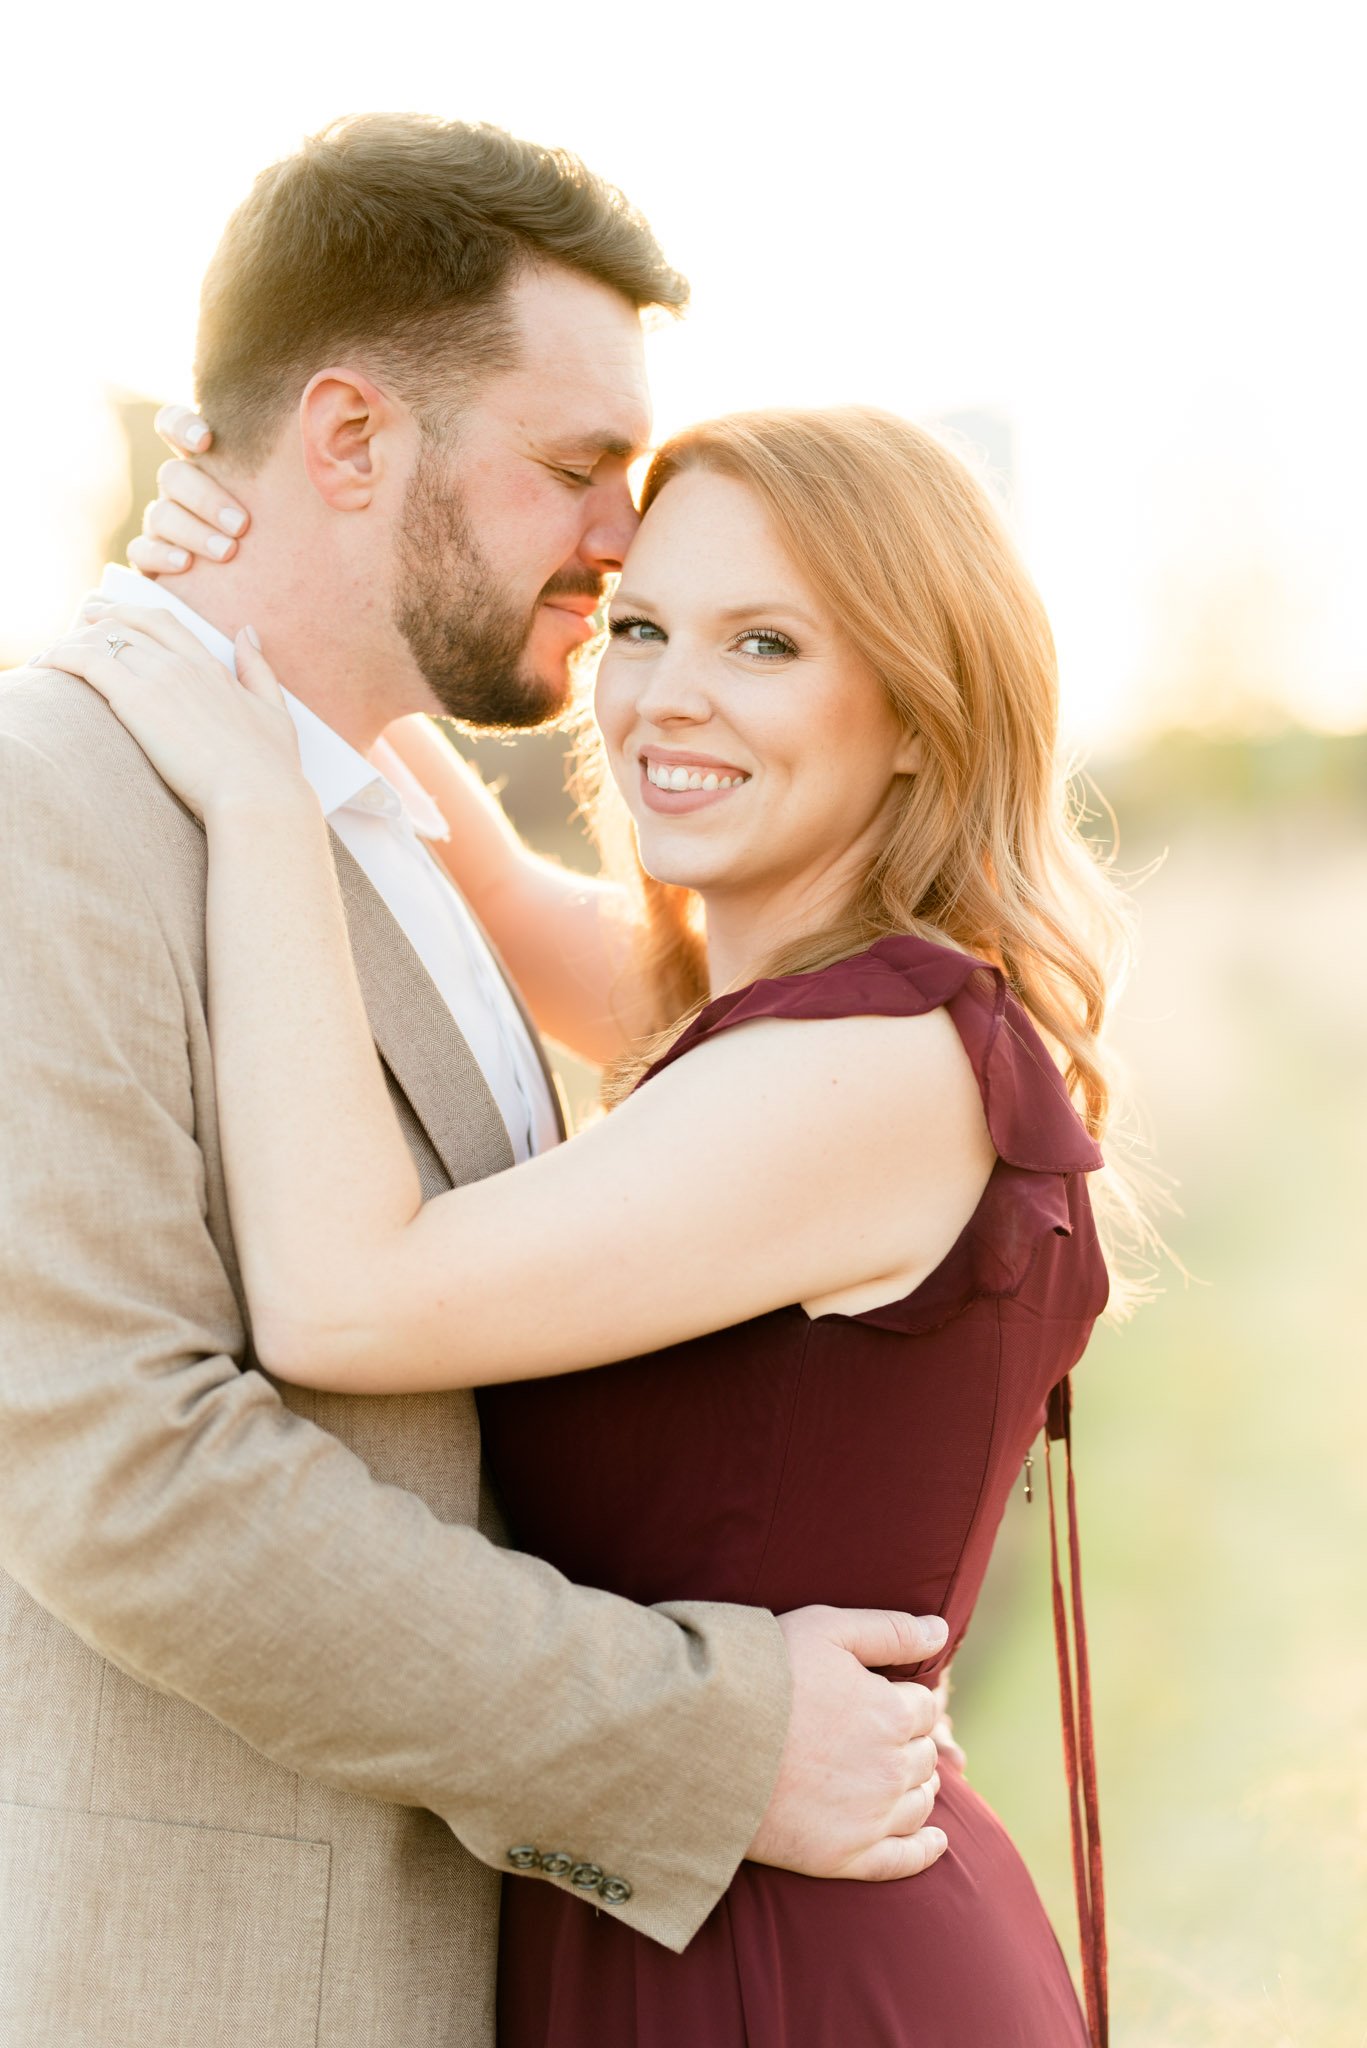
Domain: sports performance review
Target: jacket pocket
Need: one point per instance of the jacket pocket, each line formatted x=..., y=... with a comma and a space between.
x=118, y=1933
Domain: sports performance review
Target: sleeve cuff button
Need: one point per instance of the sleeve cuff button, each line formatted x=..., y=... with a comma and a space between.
x=524, y=1857
x=615, y=1890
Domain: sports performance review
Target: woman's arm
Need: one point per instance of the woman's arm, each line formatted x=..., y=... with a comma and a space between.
x=831, y=1163
x=767, y=1167
x=566, y=938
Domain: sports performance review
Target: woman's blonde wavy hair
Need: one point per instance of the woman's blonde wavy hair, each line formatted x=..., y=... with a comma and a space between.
x=897, y=537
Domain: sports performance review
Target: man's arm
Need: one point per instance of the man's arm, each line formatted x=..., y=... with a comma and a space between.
x=176, y=1516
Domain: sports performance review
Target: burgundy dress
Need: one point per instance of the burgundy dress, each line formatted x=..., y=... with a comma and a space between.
x=863, y=1461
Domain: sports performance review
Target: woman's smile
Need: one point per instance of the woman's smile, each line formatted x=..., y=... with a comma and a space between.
x=673, y=781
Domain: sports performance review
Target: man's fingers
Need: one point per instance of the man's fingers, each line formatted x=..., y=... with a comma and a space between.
x=914, y=1809
x=878, y=1636
x=182, y=428
x=921, y=1760
x=899, y=1856
x=914, y=1708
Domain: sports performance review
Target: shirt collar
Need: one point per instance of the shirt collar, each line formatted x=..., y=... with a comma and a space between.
x=341, y=778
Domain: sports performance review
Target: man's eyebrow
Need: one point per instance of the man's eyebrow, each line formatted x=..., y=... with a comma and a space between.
x=607, y=442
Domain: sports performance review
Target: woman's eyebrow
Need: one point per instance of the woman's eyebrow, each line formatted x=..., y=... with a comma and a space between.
x=753, y=607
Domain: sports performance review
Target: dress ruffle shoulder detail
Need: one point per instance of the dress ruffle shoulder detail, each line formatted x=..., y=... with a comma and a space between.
x=1040, y=1141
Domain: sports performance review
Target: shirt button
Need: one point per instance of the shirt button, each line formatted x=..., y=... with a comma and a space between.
x=615, y=1890
x=524, y=1857
x=557, y=1863
x=587, y=1876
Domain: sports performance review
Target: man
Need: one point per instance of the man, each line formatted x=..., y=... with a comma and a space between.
x=276, y=1713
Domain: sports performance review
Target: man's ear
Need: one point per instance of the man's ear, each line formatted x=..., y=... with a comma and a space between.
x=346, y=428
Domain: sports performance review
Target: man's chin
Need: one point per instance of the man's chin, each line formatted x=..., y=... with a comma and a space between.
x=521, y=703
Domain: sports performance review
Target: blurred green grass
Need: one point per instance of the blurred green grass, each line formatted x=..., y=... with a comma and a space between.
x=1222, y=1455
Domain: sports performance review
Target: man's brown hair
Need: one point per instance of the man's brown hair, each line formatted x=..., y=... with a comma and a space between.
x=394, y=237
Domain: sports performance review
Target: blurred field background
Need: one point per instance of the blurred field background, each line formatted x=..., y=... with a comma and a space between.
x=1222, y=1438
x=1117, y=253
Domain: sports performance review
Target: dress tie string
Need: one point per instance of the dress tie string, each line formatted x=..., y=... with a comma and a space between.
x=1079, y=1744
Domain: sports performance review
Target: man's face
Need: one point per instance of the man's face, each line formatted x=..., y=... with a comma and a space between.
x=511, y=530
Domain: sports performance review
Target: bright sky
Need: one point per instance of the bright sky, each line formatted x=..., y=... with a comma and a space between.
x=1136, y=230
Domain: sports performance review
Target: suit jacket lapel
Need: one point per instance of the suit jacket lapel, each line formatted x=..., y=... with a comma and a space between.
x=417, y=1036
x=551, y=1078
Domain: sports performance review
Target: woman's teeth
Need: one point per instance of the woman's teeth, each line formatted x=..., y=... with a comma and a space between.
x=690, y=778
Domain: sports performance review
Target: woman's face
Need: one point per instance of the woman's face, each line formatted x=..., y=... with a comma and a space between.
x=757, y=751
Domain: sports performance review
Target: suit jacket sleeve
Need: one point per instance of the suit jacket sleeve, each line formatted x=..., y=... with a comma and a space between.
x=168, y=1508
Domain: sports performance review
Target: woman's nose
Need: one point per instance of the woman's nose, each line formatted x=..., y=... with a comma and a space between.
x=673, y=690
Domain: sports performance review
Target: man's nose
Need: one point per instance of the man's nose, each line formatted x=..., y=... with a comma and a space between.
x=613, y=520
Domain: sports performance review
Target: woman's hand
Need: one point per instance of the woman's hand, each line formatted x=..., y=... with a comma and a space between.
x=193, y=515
x=216, y=738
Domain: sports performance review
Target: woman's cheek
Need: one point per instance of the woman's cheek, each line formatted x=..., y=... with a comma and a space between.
x=611, y=710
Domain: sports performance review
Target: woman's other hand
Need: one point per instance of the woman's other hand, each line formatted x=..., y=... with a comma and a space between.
x=194, y=515
x=217, y=739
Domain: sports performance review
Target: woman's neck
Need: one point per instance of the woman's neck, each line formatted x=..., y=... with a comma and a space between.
x=745, y=932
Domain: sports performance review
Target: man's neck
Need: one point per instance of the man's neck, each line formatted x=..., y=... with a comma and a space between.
x=327, y=640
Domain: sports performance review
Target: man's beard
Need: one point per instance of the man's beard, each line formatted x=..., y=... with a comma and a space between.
x=468, y=638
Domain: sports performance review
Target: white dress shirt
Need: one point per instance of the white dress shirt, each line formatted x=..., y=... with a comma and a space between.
x=382, y=814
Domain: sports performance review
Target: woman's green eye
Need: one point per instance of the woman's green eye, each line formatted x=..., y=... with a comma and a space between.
x=767, y=646
x=635, y=629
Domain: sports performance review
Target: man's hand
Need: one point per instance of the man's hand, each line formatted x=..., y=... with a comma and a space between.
x=858, y=1777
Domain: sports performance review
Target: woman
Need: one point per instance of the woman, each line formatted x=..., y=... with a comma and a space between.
x=834, y=1248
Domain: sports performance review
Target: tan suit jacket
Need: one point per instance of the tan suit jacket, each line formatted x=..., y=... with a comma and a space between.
x=273, y=1712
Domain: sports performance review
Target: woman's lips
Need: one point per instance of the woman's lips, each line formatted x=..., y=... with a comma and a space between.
x=675, y=802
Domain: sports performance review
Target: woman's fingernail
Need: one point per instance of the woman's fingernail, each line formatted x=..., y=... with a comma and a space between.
x=935, y=1629
x=196, y=435
x=176, y=558
x=92, y=606
x=232, y=521
x=253, y=636
x=217, y=546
